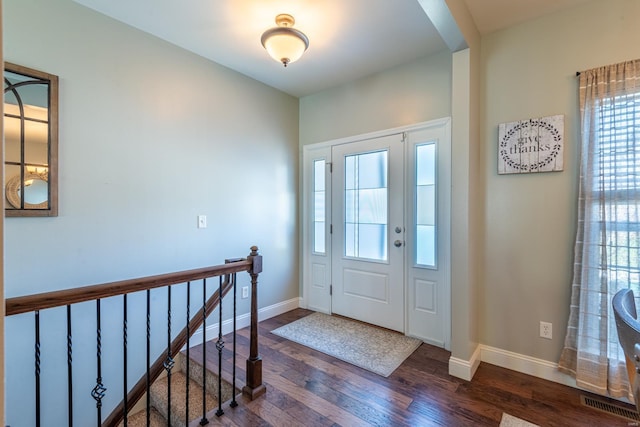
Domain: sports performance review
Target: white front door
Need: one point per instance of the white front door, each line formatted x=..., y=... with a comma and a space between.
x=381, y=191
x=368, y=231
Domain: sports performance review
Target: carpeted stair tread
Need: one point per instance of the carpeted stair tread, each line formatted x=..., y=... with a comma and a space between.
x=195, y=368
x=178, y=394
x=140, y=419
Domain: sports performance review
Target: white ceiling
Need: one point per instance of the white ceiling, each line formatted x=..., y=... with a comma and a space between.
x=348, y=38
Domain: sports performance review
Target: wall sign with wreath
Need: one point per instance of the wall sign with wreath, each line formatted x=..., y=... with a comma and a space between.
x=533, y=145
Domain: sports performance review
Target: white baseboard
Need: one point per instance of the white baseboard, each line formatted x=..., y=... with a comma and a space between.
x=526, y=365
x=465, y=369
x=539, y=368
x=244, y=320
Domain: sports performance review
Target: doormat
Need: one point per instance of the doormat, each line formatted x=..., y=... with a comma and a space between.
x=378, y=350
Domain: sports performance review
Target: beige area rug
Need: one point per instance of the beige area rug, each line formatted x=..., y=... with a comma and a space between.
x=378, y=350
x=511, y=421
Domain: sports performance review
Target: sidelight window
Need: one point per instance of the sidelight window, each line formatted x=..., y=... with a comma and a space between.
x=319, y=207
x=425, y=205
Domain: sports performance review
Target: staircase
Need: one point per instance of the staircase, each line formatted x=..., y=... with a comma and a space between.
x=160, y=408
x=177, y=399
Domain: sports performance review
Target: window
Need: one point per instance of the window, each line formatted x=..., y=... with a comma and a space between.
x=618, y=168
x=319, y=206
x=425, y=205
x=607, y=247
x=366, y=200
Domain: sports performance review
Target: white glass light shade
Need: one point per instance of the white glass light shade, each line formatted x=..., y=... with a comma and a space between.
x=285, y=44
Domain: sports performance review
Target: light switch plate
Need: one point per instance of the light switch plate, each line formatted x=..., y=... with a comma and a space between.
x=202, y=221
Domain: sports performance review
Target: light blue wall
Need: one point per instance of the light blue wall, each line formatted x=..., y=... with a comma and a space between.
x=411, y=93
x=150, y=137
x=529, y=71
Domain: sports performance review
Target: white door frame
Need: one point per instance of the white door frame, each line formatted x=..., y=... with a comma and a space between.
x=316, y=273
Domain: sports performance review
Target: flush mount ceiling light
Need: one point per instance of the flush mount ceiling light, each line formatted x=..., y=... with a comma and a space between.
x=284, y=43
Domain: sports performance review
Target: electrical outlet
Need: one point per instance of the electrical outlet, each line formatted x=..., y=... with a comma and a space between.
x=245, y=292
x=546, y=330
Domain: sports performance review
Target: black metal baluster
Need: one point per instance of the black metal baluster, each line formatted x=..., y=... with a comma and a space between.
x=204, y=419
x=148, y=357
x=168, y=363
x=125, y=388
x=37, y=354
x=188, y=358
x=220, y=346
x=99, y=390
x=234, y=403
x=69, y=368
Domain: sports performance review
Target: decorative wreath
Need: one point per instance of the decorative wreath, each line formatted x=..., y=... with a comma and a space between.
x=13, y=189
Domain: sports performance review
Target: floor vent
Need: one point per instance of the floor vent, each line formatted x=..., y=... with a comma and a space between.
x=610, y=408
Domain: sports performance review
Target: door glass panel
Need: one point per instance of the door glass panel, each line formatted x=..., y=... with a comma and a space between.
x=319, y=208
x=425, y=214
x=372, y=242
x=366, y=206
x=426, y=254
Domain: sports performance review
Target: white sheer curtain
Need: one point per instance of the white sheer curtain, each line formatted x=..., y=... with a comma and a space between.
x=608, y=237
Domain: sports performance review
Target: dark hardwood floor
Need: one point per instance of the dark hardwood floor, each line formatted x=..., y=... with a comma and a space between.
x=308, y=388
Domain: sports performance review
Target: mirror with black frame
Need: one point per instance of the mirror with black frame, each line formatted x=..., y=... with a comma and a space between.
x=31, y=141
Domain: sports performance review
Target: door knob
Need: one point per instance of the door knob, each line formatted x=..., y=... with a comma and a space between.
x=397, y=243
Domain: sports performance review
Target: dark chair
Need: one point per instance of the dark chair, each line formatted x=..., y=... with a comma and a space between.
x=624, y=309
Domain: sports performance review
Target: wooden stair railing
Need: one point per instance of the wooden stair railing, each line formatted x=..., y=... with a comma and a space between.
x=252, y=264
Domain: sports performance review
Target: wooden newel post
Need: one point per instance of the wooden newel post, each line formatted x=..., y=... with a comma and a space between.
x=254, y=387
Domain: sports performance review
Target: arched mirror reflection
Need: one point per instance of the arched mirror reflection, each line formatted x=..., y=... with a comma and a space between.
x=31, y=142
